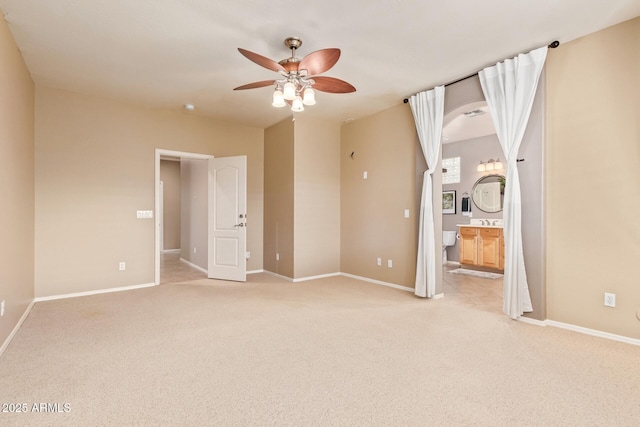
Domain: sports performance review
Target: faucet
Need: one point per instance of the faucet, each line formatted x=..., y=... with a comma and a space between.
x=495, y=221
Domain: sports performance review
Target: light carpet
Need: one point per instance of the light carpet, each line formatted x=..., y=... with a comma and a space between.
x=328, y=352
x=476, y=273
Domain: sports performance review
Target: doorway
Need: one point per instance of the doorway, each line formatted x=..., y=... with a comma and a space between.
x=220, y=203
x=179, y=156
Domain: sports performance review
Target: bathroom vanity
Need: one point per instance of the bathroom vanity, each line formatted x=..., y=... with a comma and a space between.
x=482, y=246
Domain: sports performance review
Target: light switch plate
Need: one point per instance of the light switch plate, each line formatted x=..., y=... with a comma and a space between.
x=144, y=214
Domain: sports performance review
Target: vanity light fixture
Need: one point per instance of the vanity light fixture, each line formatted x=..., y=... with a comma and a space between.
x=490, y=165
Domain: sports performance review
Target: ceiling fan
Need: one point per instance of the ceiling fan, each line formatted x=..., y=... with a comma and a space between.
x=299, y=76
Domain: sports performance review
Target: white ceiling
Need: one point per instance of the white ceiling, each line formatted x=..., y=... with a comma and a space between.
x=165, y=53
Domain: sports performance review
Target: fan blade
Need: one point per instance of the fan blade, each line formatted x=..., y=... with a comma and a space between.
x=256, y=84
x=319, y=61
x=332, y=85
x=261, y=60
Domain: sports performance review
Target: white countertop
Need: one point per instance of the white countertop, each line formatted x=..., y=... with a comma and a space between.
x=479, y=226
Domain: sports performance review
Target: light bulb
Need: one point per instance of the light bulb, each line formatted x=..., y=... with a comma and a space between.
x=481, y=167
x=489, y=165
x=289, y=91
x=497, y=165
x=278, y=99
x=309, y=97
x=297, y=106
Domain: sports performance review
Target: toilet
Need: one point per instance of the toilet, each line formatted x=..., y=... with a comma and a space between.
x=448, y=239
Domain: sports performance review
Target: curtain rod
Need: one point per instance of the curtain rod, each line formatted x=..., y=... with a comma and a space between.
x=554, y=44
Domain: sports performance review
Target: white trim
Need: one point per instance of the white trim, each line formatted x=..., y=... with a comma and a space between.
x=531, y=321
x=378, y=282
x=171, y=251
x=288, y=279
x=255, y=271
x=320, y=276
x=454, y=263
x=96, y=292
x=159, y=153
x=197, y=267
x=593, y=332
x=437, y=296
x=6, y=342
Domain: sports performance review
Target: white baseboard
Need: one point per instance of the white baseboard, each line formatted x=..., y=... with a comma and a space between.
x=197, y=267
x=171, y=251
x=531, y=321
x=378, y=282
x=6, y=342
x=279, y=276
x=438, y=296
x=255, y=271
x=593, y=332
x=581, y=329
x=454, y=263
x=321, y=276
x=96, y=292
x=300, y=279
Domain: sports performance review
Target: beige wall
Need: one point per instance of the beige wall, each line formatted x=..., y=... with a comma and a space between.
x=593, y=180
x=194, y=231
x=316, y=197
x=278, y=198
x=95, y=168
x=170, y=177
x=372, y=210
x=16, y=183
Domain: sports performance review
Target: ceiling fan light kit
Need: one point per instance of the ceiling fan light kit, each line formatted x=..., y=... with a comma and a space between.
x=299, y=77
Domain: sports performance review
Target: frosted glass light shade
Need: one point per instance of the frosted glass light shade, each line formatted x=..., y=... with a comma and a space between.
x=297, y=105
x=309, y=97
x=278, y=99
x=497, y=165
x=289, y=91
x=481, y=167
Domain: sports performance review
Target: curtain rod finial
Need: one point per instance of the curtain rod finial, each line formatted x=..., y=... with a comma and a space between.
x=405, y=100
x=554, y=44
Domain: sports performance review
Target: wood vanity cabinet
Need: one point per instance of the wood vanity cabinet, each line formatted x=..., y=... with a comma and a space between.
x=482, y=246
x=469, y=245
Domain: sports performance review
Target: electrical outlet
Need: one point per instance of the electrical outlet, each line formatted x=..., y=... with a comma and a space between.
x=2, y=308
x=194, y=250
x=247, y=255
x=277, y=257
x=389, y=263
x=379, y=261
x=122, y=266
x=609, y=300
x=365, y=175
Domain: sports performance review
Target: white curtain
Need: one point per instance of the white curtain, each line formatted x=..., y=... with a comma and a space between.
x=428, y=112
x=510, y=88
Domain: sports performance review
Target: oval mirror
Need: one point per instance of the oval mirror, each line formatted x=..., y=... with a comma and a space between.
x=488, y=193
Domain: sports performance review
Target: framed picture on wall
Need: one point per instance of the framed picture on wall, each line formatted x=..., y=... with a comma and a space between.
x=449, y=202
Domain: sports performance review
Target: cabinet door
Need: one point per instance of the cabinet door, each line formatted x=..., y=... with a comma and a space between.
x=468, y=245
x=490, y=247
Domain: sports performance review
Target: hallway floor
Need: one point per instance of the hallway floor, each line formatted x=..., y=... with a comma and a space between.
x=172, y=270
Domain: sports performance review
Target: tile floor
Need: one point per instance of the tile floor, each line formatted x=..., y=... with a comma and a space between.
x=477, y=292
x=172, y=270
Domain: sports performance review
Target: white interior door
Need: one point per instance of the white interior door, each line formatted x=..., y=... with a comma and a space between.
x=228, y=218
